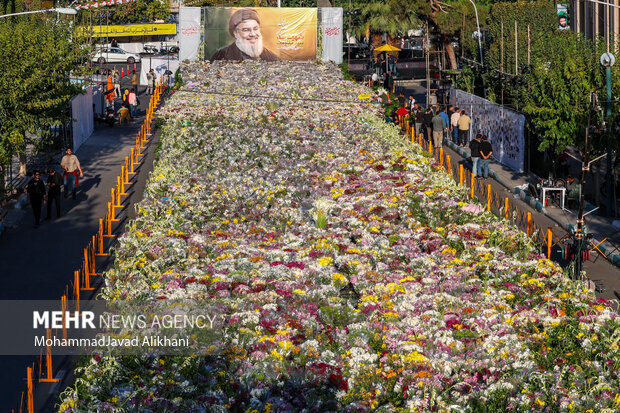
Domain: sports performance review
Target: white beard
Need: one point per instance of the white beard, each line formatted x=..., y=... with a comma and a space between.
x=248, y=49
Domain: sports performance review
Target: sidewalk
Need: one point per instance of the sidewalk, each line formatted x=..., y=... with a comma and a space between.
x=605, y=275
x=38, y=264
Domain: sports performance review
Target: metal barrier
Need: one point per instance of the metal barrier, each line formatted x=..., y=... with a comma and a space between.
x=95, y=248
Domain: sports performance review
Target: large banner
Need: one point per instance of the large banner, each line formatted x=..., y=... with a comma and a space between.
x=132, y=30
x=266, y=33
x=331, y=28
x=504, y=127
x=189, y=32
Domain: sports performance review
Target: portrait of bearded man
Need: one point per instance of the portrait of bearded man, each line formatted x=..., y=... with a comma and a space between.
x=244, y=26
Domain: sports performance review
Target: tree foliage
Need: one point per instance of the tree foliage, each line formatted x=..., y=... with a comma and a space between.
x=555, y=94
x=553, y=89
x=137, y=11
x=37, y=55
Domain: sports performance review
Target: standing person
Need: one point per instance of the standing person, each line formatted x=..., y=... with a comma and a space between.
x=474, y=151
x=36, y=196
x=411, y=103
x=71, y=165
x=402, y=100
x=149, y=82
x=117, y=82
x=133, y=103
x=439, y=127
x=428, y=124
x=54, y=181
x=446, y=121
x=419, y=120
x=135, y=81
x=454, y=125
x=464, y=124
x=486, y=150
x=109, y=97
x=392, y=63
x=114, y=44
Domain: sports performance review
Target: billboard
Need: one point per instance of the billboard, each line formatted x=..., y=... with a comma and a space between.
x=234, y=33
x=189, y=32
x=562, y=11
x=132, y=30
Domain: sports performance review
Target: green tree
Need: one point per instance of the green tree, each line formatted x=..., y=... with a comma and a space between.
x=138, y=10
x=555, y=94
x=37, y=55
x=446, y=20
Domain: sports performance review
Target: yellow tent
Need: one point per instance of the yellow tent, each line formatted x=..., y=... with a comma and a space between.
x=387, y=48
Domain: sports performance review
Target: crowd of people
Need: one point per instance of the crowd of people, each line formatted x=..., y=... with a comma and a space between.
x=47, y=193
x=129, y=97
x=436, y=123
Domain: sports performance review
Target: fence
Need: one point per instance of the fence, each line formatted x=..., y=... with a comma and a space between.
x=502, y=206
x=97, y=247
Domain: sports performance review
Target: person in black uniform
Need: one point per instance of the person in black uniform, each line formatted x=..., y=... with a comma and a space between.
x=36, y=196
x=54, y=182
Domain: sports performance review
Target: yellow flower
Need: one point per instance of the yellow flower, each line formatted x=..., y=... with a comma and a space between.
x=540, y=402
x=326, y=261
x=339, y=278
x=298, y=291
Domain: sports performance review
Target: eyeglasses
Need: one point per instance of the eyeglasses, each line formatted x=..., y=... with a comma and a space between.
x=247, y=30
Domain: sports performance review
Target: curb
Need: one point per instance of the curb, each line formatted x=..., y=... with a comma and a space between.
x=465, y=155
x=613, y=258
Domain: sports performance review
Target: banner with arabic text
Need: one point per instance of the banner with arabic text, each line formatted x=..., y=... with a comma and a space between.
x=284, y=33
x=134, y=30
x=331, y=27
x=189, y=33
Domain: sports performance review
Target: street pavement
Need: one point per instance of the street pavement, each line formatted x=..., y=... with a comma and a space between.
x=604, y=276
x=605, y=235
x=38, y=263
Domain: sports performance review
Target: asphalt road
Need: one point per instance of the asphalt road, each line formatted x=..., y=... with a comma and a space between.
x=38, y=264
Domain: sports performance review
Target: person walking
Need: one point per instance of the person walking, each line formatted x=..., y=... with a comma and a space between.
x=36, y=196
x=474, y=151
x=486, y=150
x=117, y=82
x=454, y=125
x=71, y=165
x=464, y=123
x=439, y=127
x=133, y=103
x=428, y=124
x=109, y=97
x=135, y=81
x=149, y=82
x=54, y=182
x=446, y=121
x=419, y=120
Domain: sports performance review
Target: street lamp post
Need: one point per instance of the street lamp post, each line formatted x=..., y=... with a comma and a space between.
x=60, y=10
x=479, y=34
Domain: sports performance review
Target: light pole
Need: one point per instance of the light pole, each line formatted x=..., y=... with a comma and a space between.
x=479, y=33
x=60, y=10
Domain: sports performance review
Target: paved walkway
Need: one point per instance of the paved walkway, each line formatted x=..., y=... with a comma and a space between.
x=605, y=275
x=38, y=264
x=600, y=271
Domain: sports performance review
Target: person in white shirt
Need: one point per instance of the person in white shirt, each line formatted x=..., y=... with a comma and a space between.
x=454, y=121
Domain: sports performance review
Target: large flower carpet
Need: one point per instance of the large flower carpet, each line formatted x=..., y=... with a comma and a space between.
x=354, y=274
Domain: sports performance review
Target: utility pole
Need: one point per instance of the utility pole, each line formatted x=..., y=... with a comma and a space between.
x=578, y=236
x=608, y=60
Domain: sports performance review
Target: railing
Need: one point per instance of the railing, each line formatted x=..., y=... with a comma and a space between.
x=97, y=247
